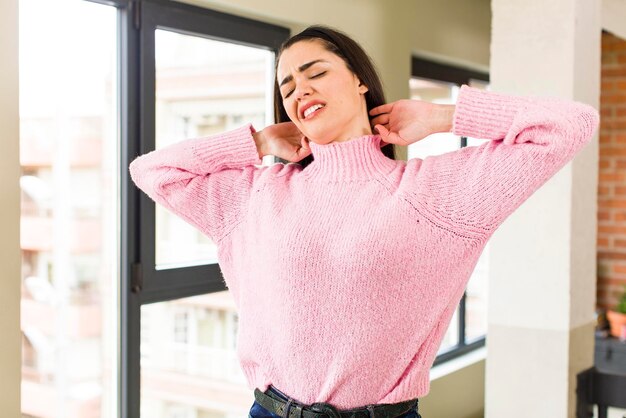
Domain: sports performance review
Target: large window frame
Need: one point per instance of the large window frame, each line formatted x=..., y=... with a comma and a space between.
x=440, y=72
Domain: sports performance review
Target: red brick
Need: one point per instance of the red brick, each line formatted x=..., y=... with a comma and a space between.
x=607, y=84
x=619, y=46
x=611, y=47
x=605, y=163
x=610, y=177
x=614, y=124
x=611, y=255
x=607, y=112
x=612, y=229
x=612, y=97
x=614, y=72
x=615, y=203
x=604, y=215
x=606, y=137
x=604, y=191
x=614, y=284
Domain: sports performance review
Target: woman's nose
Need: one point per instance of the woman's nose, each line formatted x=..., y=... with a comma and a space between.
x=302, y=90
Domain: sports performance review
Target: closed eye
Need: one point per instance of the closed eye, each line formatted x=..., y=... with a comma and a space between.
x=315, y=76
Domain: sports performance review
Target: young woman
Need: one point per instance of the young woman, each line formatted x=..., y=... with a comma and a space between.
x=345, y=264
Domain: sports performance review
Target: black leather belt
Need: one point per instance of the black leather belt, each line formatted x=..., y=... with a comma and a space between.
x=293, y=409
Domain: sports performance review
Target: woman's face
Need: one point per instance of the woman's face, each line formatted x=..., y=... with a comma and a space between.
x=309, y=75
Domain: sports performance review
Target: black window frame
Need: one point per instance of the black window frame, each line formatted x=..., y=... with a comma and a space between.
x=440, y=72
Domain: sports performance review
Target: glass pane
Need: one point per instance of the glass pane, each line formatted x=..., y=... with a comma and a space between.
x=433, y=92
x=189, y=364
x=203, y=87
x=69, y=156
x=476, y=300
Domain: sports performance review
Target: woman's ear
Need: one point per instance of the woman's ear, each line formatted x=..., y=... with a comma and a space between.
x=362, y=87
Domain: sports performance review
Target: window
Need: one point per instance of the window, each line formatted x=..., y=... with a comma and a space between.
x=440, y=83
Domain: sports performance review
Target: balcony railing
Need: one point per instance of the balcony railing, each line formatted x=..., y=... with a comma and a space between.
x=212, y=363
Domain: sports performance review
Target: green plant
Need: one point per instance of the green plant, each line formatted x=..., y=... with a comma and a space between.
x=621, y=306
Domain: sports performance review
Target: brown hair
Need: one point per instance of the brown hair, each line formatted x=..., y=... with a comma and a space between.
x=356, y=60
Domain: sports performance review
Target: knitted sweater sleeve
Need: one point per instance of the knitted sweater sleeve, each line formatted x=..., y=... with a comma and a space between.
x=206, y=181
x=476, y=188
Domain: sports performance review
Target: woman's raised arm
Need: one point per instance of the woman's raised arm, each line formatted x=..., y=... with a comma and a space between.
x=475, y=189
x=207, y=181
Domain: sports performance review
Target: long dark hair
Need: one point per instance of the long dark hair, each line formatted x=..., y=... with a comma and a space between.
x=356, y=60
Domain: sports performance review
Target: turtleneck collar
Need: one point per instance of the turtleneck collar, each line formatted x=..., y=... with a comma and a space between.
x=359, y=158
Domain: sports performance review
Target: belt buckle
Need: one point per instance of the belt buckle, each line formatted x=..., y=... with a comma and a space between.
x=325, y=408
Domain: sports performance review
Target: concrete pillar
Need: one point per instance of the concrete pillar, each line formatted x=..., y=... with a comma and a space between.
x=543, y=257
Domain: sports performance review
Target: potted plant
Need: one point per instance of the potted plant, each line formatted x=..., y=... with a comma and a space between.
x=617, y=318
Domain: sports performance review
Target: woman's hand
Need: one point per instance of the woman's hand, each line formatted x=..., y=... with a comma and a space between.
x=283, y=140
x=404, y=122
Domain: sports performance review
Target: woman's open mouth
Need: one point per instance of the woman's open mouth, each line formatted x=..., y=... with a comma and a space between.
x=313, y=111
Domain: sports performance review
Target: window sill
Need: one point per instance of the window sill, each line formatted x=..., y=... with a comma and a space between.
x=456, y=364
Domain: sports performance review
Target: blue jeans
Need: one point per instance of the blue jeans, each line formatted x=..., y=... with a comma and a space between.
x=257, y=411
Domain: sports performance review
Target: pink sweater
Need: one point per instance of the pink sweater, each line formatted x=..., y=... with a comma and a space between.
x=346, y=274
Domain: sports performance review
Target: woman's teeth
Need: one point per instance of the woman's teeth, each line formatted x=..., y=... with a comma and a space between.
x=312, y=109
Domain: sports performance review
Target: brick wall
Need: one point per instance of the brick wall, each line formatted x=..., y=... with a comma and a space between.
x=612, y=175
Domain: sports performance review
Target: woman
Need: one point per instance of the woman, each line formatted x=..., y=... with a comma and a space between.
x=346, y=265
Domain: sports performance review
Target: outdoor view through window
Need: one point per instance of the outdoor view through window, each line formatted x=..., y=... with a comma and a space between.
x=69, y=199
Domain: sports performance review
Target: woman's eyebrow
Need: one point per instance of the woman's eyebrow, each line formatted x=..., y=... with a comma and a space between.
x=300, y=69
